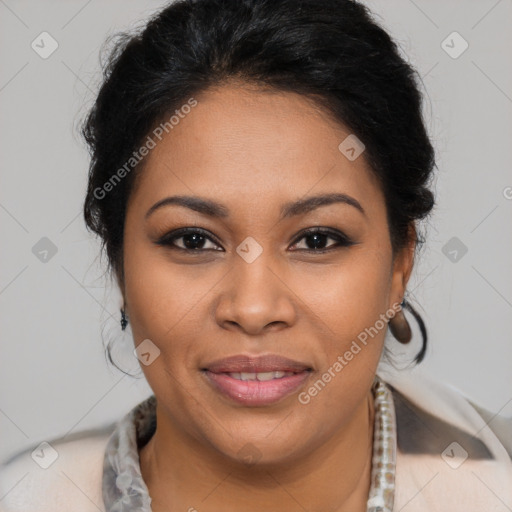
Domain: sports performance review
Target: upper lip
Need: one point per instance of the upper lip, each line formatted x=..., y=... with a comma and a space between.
x=256, y=364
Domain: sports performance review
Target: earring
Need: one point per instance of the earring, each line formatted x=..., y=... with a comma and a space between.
x=399, y=326
x=124, y=319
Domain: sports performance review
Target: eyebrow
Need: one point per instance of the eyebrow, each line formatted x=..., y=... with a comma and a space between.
x=290, y=209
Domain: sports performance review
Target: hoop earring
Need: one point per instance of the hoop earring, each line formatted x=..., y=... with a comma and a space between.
x=124, y=319
x=399, y=326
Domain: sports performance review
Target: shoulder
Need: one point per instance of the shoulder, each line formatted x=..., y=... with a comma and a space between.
x=423, y=403
x=59, y=475
x=452, y=454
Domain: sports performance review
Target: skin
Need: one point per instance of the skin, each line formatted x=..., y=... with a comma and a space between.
x=254, y=150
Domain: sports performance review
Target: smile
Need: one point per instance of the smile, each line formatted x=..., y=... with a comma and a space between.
x=256, y=380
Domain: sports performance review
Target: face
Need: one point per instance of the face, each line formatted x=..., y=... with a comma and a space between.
x=244, y=279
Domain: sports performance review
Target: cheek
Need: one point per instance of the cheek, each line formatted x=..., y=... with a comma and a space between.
x=163, y=305
x=158, y=293
x=348, y=303
x=349, y=296
x=166, y=304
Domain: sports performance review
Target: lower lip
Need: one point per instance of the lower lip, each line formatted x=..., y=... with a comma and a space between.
x=253, y=392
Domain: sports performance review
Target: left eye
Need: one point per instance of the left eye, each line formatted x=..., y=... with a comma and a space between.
x=318, y=238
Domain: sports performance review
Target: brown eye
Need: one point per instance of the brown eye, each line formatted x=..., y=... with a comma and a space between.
x=316, y=240
x=193, y=240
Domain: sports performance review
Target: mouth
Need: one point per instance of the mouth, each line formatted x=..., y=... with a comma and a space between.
x=256, y=381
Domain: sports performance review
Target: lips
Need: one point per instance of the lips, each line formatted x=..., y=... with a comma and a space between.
x=249, y=364
x=256, y=381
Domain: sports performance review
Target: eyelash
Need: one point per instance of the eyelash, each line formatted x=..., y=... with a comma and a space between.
x=342, y=240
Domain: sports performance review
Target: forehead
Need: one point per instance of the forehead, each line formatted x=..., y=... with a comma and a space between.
x=247, y=145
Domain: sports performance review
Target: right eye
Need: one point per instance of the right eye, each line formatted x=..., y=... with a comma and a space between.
x=194, y=240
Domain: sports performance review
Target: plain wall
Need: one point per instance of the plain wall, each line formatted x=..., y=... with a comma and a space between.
x=57, y=315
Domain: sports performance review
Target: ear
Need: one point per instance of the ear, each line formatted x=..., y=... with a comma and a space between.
x=402, y=267
x=120, y=283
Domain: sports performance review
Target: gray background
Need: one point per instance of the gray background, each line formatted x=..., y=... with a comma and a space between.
x=56, y=315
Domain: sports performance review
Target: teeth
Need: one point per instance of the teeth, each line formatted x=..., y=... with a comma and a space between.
x=269, y=375
x=260, y=376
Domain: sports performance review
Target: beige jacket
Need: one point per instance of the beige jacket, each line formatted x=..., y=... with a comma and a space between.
x=452, y=456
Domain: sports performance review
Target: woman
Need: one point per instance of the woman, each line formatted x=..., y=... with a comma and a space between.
x=258, y=171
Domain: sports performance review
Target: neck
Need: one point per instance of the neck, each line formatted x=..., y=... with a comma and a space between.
x=183, y=474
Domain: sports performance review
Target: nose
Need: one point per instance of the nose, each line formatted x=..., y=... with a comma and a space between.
x=255, y=298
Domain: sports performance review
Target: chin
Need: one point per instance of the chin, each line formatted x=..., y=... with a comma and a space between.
x=265, y=443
